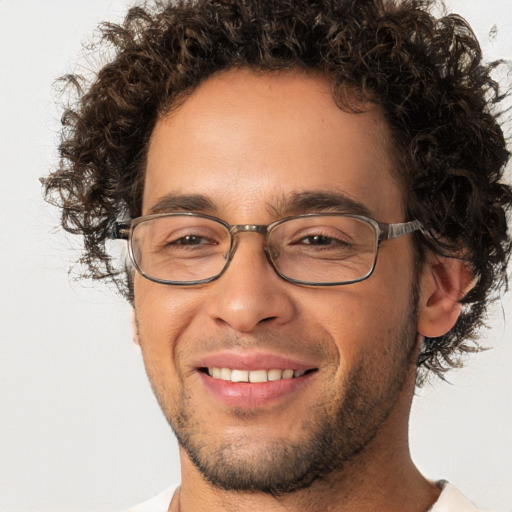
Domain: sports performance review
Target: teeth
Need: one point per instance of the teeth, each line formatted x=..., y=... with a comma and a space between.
x=258, y=376
x=225, y=374
x=254, y=375
x=237, y=375
x=288, y=374
x=274, y=375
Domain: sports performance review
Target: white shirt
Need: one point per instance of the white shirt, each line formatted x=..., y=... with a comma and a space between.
x=450, y=500
x=159, y=503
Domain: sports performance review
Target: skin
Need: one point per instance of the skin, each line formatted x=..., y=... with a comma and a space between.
x=248, y=142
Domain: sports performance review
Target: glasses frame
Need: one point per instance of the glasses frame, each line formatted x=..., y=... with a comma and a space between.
x=123, y=231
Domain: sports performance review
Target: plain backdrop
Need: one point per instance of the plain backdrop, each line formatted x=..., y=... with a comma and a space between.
x=79, y=427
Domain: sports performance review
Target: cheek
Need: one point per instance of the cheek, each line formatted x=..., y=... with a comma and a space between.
x=361, y=321
x=162, y=315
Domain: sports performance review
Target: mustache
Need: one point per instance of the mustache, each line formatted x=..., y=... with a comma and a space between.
x=269, y=340
x=309, y=347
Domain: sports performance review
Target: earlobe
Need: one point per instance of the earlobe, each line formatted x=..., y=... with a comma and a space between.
x=135, y=329
x=444, y=282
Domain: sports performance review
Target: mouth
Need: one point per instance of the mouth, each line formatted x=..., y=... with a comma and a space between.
x=254, y=379
x=254, y=376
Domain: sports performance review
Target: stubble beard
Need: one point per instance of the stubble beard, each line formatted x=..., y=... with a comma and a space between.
x=334, y=433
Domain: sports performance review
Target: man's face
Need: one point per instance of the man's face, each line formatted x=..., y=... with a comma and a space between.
x=249, y=144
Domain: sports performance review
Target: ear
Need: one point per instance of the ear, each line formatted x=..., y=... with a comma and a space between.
x=444, y=282
x=135, y=329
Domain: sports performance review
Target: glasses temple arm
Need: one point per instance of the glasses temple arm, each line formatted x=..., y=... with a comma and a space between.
x=120, y=231
x=400, y=229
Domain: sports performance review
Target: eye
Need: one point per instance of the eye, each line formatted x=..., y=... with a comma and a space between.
x=192, y=240
x=322, y=240
x=186, y=240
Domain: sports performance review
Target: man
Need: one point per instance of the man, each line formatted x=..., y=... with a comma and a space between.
x=313, y=202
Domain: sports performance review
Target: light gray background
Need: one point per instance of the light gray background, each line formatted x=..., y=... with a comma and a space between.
x=79, y=428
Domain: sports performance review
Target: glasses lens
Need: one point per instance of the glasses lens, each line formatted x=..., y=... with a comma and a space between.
x=323, y=249
x=180, y=248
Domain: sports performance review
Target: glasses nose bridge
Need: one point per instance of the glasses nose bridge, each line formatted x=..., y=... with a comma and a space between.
x=234, y=230
x=248, y=228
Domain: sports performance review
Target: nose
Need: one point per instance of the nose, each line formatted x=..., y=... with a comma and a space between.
x=250, y=293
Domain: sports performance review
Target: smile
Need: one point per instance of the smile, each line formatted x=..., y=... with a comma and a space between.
x=254, y=379
x=272, y=375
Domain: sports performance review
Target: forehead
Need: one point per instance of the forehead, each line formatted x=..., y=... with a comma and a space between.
x=245, y=139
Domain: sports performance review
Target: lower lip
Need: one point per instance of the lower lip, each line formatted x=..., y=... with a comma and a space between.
x=251, y=395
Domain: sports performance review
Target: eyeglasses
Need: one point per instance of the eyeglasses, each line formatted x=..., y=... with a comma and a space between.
x=325, y=249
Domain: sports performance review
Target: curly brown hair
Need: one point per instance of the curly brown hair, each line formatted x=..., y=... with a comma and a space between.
x=425, y=72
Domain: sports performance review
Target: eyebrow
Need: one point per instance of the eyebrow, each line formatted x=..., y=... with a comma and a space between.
x=294, y=204
x=319, y=201
x=183, y=203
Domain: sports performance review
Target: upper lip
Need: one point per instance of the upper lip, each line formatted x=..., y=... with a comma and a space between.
x=253, y=360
